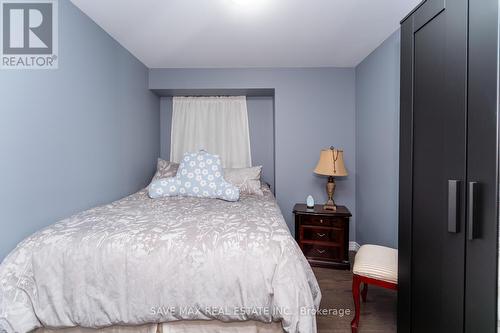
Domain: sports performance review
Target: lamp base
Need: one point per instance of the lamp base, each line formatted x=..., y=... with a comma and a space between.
x=330, y=205
x=330, y=190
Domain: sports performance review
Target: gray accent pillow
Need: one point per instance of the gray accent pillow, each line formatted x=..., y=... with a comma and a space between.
x=246, y=179
x=165, y=169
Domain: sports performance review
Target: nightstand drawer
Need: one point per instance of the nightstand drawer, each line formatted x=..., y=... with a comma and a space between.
x=322, y=221
x=327, y=234
x=314, y=251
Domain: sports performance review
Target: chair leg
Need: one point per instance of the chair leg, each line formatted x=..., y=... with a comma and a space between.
x=364, y=292
x=356, y=282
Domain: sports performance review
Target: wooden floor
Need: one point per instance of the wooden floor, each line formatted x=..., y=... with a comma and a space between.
x=378, y=314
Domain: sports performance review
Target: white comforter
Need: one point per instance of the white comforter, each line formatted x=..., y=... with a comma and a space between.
x=138, y=261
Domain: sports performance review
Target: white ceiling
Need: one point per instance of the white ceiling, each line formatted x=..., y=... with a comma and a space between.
x=248, y=33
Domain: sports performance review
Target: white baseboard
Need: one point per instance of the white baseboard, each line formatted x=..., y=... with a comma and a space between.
x=353, y=246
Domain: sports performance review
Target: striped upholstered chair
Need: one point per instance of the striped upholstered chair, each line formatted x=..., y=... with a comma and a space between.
x=373, y=264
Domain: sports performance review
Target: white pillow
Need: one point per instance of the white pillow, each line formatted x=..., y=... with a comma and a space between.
x=246, y=179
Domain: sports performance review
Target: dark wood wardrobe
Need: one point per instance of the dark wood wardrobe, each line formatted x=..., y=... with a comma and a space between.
x=448, y=193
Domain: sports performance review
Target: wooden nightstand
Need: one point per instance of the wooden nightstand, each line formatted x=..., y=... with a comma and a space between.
x=323, y=235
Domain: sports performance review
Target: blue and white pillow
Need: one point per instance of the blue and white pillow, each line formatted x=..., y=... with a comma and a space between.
x=199, y=175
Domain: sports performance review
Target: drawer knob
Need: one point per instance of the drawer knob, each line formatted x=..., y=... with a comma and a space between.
x=321, y=235
x=320, y=220
x=321, y=251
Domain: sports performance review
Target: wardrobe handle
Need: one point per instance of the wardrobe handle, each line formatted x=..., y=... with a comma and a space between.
x=471, y=206
x=453, y=204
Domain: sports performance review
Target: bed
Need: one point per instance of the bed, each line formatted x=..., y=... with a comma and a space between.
x=183, y=326
x=188, y=262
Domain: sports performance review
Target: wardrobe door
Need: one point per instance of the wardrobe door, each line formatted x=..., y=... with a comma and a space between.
x=482, y=172
x=405, y=177
x=432, y=198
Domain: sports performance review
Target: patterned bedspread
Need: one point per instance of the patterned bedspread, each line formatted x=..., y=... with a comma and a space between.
x=140, y=260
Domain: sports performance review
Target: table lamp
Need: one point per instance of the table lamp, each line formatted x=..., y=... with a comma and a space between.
x=331, y=164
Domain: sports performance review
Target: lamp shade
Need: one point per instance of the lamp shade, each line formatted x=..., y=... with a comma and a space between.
x=331, y=163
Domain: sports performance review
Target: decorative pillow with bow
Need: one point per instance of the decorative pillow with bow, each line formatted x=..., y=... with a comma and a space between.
x=199, y=175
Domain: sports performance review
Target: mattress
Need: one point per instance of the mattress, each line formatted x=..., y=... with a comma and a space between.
x=219, y=327
x=182, y=327
x=139, y=261
x=114, y=329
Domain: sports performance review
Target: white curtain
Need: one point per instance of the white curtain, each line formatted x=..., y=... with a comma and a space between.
x=218, y=125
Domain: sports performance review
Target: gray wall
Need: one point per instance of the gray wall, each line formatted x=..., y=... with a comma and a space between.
x=261, y=123
x=377, y=145
x=76, y=137
x=314, y=108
